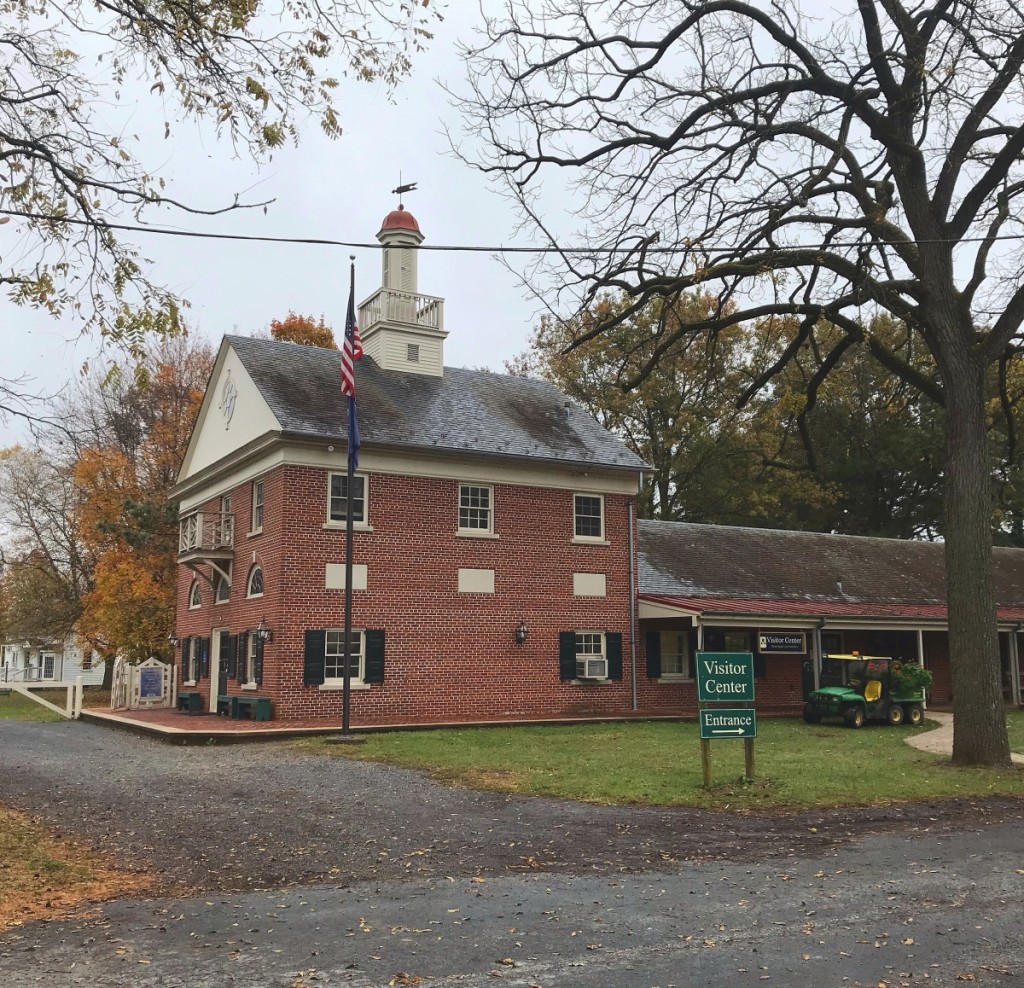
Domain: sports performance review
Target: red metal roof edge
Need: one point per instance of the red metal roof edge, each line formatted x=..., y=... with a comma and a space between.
x=754, y=607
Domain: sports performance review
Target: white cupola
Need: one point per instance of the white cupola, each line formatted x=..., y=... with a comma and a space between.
x=400, y=328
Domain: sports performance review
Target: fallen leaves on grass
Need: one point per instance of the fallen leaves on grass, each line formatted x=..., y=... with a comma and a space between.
x=42, y=877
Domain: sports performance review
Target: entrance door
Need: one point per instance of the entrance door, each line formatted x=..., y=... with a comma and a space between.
x=49, y=661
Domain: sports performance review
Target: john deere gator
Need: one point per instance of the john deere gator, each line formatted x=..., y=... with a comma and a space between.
x=858, y=688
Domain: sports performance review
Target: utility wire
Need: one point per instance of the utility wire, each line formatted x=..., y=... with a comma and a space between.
x=649, y=248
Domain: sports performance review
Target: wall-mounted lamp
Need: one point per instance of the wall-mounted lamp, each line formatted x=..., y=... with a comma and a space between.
x=172, y=639
x=263, y=630
x=521, y=632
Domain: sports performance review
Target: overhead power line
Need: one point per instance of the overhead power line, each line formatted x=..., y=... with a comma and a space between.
x=649, y=248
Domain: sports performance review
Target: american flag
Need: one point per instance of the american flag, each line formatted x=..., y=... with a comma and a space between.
x=351, y=349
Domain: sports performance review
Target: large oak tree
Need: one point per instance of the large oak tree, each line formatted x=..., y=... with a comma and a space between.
x=867, y=159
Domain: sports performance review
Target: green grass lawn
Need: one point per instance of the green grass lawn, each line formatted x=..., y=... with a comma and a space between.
x=14, y=706
x=1015, y=724
x=659, y=763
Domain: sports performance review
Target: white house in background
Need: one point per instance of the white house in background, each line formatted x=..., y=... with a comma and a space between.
x=55, y=662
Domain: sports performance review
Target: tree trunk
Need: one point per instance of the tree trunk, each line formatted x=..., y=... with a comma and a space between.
x=979, y=727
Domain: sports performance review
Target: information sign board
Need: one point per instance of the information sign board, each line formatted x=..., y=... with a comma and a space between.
x=722, y=722
x=151, y=684
x=725, y=677
x=791, y=642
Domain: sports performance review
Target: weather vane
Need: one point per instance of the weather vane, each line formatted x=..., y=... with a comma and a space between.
x=411, y=187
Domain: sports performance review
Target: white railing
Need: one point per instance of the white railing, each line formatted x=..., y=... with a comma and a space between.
x=27, y=674
x=202, y=531
x=388, y=305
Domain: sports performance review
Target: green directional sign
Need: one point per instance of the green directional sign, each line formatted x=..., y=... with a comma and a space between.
x=725, y=723
x=725, y=677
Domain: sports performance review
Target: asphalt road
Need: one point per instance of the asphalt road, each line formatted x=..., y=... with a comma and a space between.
x=477, y=889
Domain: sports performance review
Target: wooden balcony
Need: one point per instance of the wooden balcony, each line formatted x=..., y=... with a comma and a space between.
x=206, y=538
x=401, y=309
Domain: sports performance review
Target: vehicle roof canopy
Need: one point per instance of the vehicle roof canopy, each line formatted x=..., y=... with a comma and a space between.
x=858, y=658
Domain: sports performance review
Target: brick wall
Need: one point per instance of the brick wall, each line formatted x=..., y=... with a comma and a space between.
x=449, y=656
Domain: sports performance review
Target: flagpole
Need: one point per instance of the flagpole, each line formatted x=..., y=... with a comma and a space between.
x=352, y=449
x=346, y=695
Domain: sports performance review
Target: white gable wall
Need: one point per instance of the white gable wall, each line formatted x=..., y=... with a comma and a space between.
x=216, y=434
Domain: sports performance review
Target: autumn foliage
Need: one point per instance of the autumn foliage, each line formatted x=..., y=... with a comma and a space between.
x=124, y=515
x=304, y=330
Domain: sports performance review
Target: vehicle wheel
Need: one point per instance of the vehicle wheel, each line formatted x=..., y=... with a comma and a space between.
x=811, y=714
x=854, y=716
x=915, y=715
x=894, y=715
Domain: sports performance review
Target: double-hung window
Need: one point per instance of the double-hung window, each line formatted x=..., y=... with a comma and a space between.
x=591, y=659
x=337, y=507
x=257, y=506
x=335, y=656
x=476, y=509
x=675, y=655
x=588, y=518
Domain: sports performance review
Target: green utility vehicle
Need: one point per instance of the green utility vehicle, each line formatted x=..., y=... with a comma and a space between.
x=868, y=687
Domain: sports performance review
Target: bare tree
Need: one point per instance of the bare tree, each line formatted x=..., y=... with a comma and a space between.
x=71, y=170
x=868, y=159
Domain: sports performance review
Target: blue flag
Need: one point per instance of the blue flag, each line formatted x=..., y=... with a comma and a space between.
x=353, y=435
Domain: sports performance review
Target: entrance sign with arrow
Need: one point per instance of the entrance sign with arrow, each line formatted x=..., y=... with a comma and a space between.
x=723, y=723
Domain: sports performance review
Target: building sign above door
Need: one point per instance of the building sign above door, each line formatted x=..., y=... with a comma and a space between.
x=793, y=642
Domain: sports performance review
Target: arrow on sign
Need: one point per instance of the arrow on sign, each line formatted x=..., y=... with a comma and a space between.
x=738, y=730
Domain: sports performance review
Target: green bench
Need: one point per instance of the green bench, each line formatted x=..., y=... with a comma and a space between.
x=226, y=705
x=250, y=707
x=190, y=701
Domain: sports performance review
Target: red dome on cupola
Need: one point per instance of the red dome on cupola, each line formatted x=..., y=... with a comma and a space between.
x=400, y=219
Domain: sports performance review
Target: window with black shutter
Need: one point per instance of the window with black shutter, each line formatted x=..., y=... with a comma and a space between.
x=314, y=656
x=652, y=647
x=374, y=665
x=613, y=646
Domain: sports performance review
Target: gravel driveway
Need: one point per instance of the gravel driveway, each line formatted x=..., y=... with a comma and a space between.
x=265, y=815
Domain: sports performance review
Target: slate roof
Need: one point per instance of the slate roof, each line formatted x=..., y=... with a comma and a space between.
x=465, y=411
x=759, y=571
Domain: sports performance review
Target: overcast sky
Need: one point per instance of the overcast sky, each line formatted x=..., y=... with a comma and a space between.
x=322, y=189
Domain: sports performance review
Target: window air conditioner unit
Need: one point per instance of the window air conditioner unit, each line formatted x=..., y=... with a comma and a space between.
x=592, y=668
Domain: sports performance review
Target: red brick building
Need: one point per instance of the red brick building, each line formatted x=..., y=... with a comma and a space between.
x=493, y=543
x=499, y=571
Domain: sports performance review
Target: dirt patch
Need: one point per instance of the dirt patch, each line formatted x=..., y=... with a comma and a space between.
x=42, y=877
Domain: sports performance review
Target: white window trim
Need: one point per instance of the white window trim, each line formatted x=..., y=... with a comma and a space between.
x=193, y=587
x=604, y=654
x=254, y=528
x=355, y=682
x=248, y=583
x=589, y=539
x=476, y=533
x=250, y=662
x=359, y=525
x=678, y=677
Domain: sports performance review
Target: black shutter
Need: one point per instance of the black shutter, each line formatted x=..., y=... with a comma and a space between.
x=184, y=659
x=257, y=662
x=315, y=654
x=652, y=646
x=232, y=659
x=374, y=665
x=567, y=655
x=759, y=670
x=243, y=656
x=204, y=658
x=613, y=644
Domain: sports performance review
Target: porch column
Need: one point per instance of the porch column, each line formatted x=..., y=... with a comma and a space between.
x=1014, y=669
x=921, y=659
